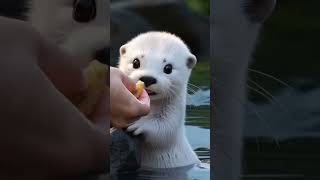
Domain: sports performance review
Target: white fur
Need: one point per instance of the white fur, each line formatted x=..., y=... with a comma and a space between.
x=165, y=144
x=53, y=18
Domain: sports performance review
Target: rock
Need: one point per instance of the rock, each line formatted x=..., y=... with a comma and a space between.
x=128, y=19
x=179, y=19
x=124, y=26
x=124, y=152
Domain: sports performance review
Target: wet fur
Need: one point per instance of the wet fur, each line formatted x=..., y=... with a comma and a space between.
x=164, y=144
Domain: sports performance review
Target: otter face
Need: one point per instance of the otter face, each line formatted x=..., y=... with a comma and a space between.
x=79, y=26
x=161, y=60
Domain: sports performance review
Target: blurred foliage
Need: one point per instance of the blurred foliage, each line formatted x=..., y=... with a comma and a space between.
x=200, y=6
x=198, y=116
x=201, y=73
x=202, y=149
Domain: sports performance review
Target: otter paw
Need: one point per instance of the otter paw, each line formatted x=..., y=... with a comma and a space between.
x=135, y=128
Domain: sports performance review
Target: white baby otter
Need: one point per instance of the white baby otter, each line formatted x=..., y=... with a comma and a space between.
x=164, y=63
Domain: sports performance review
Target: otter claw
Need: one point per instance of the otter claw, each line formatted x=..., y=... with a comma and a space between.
x=137, y=131
x=132, y=128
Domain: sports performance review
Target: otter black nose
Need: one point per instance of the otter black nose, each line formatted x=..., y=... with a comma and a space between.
x=148, y=80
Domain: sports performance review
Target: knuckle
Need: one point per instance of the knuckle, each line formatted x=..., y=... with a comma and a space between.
x=132, y=109
x=119, y=124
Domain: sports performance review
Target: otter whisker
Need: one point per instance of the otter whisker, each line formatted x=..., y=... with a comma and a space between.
x=261, y=93
x=268, y=126
x=252, y=110
x=268, y=93
x=194, y=86
x=271, y=76
x=191, y=90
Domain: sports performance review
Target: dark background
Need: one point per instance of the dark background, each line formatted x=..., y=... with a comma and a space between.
x=282, y=127
x=13, y=8
x=189, y=19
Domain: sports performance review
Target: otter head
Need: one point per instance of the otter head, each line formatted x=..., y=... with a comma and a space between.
x=79, y=26
x=159, y=59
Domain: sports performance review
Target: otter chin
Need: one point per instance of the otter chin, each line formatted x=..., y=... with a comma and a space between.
x=164, y=63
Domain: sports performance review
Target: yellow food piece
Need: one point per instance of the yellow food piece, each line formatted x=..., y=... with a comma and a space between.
x=139, y=89
x=95, y=76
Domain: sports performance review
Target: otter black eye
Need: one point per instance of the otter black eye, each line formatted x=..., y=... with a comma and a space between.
x=84, y=10
x=167, y=69
x=136, y=63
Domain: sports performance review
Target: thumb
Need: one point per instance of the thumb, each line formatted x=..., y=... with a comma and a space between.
x=142, y=109
x=128, y=83
x=143, y=104
x=144, y=98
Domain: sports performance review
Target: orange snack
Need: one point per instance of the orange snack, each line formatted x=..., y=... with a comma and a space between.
x=139, y=89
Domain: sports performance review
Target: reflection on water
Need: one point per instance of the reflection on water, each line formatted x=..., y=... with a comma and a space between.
x=198, y=137
x=295, y=114
x=199, y=98
x=194, y=172
x=198, y=123
x=198, y=132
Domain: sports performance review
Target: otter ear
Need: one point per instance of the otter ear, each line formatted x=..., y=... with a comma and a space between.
x=191, y=61
x=122, y=50
x=259, y=10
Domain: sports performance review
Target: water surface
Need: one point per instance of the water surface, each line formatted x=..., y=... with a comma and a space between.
x=198, y=134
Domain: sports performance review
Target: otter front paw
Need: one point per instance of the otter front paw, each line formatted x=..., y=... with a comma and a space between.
x=142, y=126
x=136, y=128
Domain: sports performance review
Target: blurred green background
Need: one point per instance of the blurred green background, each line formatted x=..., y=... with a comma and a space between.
x=200, y=6
x=201, y=72
x=200, y=116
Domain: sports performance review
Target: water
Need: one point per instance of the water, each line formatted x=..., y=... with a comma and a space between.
x=282, y=133
x=198, y=131
x=199, y=98
x=295, y=114
x=198, y=134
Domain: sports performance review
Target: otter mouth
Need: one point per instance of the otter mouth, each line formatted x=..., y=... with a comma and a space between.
x=151, y=93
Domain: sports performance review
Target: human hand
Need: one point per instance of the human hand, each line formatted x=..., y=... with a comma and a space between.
x=35, y=77
x=125, y=107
